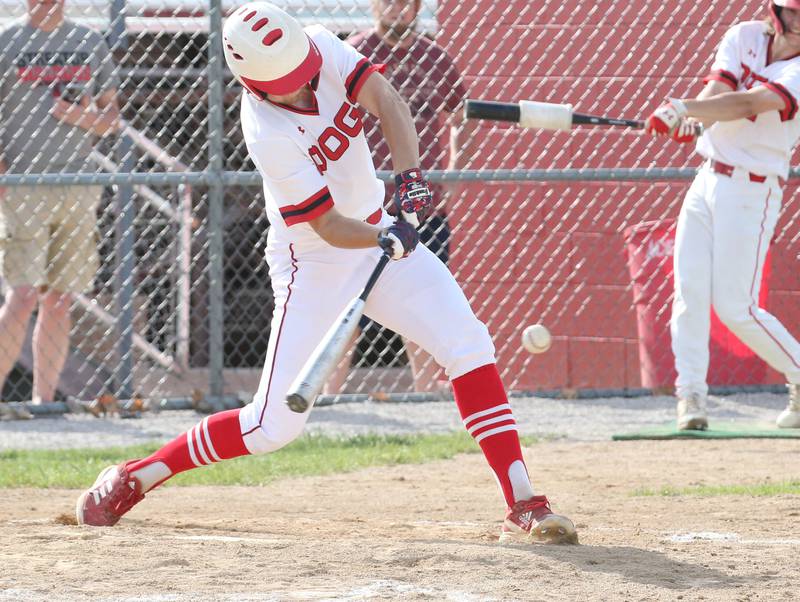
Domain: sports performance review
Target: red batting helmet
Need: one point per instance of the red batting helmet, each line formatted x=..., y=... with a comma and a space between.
x=774, y=12
x=268, y=51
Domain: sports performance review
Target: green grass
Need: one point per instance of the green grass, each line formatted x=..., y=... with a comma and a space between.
x=308, y=455
x=757, y=490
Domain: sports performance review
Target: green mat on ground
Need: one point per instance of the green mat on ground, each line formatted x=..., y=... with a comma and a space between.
x=716, y=430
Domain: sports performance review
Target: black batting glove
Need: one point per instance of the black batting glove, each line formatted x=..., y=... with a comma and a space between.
x=398, y=240
x=413, y=196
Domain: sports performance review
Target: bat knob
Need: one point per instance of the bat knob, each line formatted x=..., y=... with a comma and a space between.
x=297, y=403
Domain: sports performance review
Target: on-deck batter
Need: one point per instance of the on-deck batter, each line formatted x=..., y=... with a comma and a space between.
x=328, y=229
x=749, y=105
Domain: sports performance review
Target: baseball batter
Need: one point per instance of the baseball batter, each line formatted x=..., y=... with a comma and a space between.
x=305, y=135
x=749, y=106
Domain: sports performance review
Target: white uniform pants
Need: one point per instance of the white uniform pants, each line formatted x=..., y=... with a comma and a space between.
x=416, y=297
x=724, y=230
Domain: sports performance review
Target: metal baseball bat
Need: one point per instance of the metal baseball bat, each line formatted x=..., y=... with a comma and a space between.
x=319, y=365
x=550, y=116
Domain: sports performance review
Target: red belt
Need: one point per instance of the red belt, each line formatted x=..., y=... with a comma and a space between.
x=727, y=170
x=375, y=217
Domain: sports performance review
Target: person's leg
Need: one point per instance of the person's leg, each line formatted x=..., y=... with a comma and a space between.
x=427, y=374
x=419, y=299
x=50, y=343
x=744, y=221
x=424, y=369
x=72, y=262
x=690, y=324
x=301, y=317
x=24, y=234
x=14, y=317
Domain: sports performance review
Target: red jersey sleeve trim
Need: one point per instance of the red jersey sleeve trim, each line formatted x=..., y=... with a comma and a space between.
x=314, y=206
x=790, y=102
x=726, y=77
x=359, y=76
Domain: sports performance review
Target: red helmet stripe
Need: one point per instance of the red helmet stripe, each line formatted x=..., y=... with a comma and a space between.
x=260, y=23
x=272, y=37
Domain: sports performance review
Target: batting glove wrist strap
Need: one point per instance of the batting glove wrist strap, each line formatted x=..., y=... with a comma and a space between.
x=413, y=196
x=399, y=239
x=679, y=106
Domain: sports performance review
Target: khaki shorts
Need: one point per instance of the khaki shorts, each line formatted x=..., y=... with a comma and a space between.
x=48, y=236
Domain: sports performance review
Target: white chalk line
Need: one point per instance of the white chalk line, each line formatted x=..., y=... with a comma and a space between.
x=734, y=538
x=232, y=539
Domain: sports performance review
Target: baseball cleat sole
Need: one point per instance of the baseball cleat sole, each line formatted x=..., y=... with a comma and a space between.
x=554, y=530
x=694, y=424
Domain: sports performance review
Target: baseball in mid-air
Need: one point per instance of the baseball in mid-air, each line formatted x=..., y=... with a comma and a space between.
x=536, y=339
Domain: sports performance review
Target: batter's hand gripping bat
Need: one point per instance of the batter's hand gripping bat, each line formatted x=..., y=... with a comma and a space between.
x=329, y=350
x=544, y=115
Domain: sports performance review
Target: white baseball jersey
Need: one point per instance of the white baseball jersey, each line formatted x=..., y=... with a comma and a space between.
x=761, y=144
x=313, y=159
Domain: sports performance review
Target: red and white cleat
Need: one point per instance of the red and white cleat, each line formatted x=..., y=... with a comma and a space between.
x=532, y=521
x=112, y=495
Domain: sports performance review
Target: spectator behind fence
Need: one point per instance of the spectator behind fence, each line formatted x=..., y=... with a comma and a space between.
x=431, y=84
x=57, y=92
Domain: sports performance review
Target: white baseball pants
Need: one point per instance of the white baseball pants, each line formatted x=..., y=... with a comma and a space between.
x=724, y=230
x=417, y=297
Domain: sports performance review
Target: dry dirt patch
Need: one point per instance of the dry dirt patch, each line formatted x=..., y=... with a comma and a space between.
x=429, y=533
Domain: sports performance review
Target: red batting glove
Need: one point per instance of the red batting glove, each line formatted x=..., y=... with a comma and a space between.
x=686, y=132
x=666, y=118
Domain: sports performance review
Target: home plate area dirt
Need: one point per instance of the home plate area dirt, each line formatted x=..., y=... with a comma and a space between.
x=429, y=532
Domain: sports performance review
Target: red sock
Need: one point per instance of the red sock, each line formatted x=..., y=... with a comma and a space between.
x=216, y=437
x=487, y=416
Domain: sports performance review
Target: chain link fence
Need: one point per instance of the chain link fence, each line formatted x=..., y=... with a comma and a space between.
x=532, y=223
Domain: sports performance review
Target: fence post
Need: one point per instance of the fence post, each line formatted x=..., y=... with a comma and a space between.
x=125, y=235
x=216, y=134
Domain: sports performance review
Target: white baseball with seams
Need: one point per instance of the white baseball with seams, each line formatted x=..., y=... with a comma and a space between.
x=536, y=339
x=729, y=214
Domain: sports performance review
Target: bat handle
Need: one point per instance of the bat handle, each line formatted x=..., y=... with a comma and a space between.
x=373, y=278
x=495, y=111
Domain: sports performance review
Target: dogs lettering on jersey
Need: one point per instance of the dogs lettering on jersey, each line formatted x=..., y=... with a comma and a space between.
x=750, y=78
x=335, y=140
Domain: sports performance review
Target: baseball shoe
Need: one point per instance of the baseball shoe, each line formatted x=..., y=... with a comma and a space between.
x=790, y=417
x=532, y=521
x=113, y=494
x=14, y=411
x=692, y=413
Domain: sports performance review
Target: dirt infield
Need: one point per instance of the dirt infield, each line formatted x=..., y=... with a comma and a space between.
x=429, y=533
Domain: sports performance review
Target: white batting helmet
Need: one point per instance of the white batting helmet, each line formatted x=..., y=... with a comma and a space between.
x=268, y=51
x=774, y=12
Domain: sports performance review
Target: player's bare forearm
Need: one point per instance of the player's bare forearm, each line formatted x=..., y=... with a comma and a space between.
x=100, y=119
x=463, y=146
x=463, y=141
x=380, y=98
x=729, y=106
x=344, y=232
x=105, y=121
